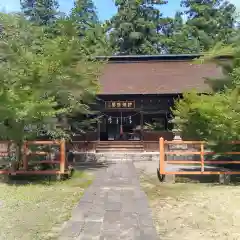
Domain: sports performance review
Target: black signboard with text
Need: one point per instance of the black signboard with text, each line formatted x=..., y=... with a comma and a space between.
x=120, y=104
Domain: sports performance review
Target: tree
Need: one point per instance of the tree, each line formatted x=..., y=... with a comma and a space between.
x=41, y=12
x=97, y=42
x=176, y=37
x=84, y=14
x=210, y=21
x=134, y=29
x=228, y=66
x=91, y=31
x=214, y=117
x=43, y=80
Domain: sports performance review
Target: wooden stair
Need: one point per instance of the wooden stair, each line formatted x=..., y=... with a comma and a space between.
x=120, y=146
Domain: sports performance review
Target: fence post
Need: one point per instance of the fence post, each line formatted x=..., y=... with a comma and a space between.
x=62, y=156
x=202, y=157
x=224, y=179
x=162, y=156
x=25, y=156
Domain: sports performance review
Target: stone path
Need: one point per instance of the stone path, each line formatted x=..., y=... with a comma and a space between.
x=113, y=207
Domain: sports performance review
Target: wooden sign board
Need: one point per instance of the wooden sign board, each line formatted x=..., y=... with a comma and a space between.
x=176, y=146
x=120, y=104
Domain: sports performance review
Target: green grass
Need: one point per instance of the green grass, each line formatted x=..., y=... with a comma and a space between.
x=37, y=210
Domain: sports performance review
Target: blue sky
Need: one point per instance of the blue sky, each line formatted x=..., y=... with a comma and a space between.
x=105, y=8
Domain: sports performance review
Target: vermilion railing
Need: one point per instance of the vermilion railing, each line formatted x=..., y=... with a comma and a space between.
x=202, y=162
x=60, y=159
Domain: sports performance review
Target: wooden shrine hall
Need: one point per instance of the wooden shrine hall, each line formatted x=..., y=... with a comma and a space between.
x=136, y=96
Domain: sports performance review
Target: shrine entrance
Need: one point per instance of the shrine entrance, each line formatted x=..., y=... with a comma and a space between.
x=120, y=126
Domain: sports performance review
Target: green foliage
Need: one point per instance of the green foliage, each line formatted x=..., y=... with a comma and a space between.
x=134, y=29
x=176, y=37
x=84, y=13
x=41, y=12
x=210, y=117
x=138, y=27
x=96, y=41
x=43, y=79
x=210, y=21
x=230, y=66
x=92, y=33
x=214, y=117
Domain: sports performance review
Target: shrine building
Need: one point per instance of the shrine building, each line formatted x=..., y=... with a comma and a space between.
x=138, y=92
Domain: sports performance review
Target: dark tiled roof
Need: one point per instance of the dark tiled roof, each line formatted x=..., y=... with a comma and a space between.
x=155, y=76
x=162, y=57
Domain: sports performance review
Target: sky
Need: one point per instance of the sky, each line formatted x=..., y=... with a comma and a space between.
x=105, y=8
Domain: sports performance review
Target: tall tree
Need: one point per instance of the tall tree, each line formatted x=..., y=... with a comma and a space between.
x=97, y=42
x=42, y=79
x=228, y=79
x=176, y=37
x=210, y=21
x=42, y=12
x=215, y=117
x=91, y=31
x=134, y=29
x=84, y=14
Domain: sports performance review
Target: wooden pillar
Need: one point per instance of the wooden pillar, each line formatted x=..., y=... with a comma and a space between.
x=166, y=121
x=141, y=123
x=62, y=156
x=25, y=156
x=162, y=156
x=98, y=129
x=202, y=157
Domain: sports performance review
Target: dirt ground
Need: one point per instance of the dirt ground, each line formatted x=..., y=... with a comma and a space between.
x=192, y=210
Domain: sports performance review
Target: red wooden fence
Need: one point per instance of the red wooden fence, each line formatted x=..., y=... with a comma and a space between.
x=202, y=162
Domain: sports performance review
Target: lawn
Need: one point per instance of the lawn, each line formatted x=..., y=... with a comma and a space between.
x=194, y=210
x=37, y=210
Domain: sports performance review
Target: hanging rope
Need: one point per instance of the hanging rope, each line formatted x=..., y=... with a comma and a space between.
x=167, y=114
x=109, y=116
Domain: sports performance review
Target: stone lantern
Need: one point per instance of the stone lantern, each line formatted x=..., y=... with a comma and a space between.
x=177, y=134
x=176, y=131
x=177, y=138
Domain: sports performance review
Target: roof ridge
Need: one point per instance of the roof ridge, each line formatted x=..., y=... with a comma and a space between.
x=160, y=57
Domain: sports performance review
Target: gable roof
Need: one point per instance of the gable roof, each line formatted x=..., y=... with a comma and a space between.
x=158, y=74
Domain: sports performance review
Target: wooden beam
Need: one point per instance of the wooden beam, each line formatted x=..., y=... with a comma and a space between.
x=141, y=124
x=62, y=156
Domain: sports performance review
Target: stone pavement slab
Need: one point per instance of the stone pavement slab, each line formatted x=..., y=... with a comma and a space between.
x=113, y=207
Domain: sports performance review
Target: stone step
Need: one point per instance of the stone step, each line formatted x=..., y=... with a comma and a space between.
x=119, y=147
x=99, y=150
x=120, y=142
x=94, y=158
x=122, y=145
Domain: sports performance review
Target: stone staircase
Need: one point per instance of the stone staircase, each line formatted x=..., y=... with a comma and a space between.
x=107, y=157
x=115, y=151
x=120, y=147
